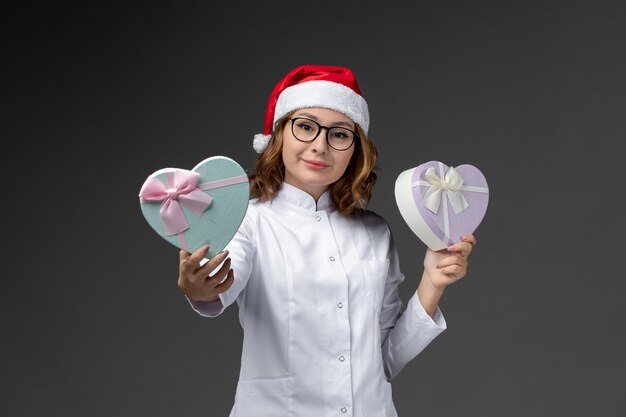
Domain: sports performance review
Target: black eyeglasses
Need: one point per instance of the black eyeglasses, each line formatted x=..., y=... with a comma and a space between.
x=307, y=130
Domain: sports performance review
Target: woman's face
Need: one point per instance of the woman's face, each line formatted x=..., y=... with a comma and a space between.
x=314, y=166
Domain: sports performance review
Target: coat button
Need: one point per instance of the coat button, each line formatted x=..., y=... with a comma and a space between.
x=332, y=259
x=318, y=218
x=341, y=359
x=344, y=410
x=340, y=304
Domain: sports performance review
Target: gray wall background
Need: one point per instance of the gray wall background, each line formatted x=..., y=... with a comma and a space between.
x=96, y=96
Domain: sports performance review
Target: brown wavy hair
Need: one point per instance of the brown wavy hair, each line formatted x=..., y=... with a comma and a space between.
x=350, y=193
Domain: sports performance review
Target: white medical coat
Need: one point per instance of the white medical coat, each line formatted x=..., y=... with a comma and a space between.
x=323, y=326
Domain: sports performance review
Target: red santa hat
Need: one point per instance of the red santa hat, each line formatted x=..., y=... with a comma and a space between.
x=329, y=87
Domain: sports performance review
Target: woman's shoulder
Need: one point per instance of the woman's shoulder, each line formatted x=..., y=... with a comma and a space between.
x=371, y=215
x=250, y=218
x=372, y=220
x=257, y=210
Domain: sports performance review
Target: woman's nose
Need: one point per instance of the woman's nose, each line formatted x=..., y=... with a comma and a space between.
x=320, y=144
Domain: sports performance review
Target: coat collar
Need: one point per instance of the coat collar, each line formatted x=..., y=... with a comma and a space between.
x=294, y=196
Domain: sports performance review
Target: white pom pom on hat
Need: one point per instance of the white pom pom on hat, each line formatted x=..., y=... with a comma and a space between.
x=260, y=142
x=330, y=87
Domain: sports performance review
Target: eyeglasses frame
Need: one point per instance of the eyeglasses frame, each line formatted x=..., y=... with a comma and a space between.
x=356, y=135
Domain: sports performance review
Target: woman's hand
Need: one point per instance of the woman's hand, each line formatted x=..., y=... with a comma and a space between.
x=442, y=268
x=196, y=281
x=449, y=265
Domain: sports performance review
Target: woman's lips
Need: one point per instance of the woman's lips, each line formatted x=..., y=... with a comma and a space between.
x=315, y=164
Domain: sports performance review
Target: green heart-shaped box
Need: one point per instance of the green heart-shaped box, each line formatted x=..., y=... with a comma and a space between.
x=219, y=222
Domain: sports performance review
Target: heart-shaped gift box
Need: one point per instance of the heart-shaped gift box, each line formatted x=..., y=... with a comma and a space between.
x=203, y=206
x=441, y=203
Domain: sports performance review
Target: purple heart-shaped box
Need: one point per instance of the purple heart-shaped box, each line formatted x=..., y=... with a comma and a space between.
x=441, y=203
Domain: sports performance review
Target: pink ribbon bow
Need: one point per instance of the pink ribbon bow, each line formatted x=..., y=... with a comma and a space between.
x=182, y=189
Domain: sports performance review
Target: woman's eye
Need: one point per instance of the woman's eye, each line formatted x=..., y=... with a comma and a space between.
x=307, y=127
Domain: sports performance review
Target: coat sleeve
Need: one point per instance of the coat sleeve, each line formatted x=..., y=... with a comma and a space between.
x=241, y=252
x=404, y=334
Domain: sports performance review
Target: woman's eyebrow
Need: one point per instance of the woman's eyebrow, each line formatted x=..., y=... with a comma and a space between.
x=340, y=123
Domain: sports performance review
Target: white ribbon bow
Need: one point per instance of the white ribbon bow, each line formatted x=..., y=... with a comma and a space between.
x=450, y=185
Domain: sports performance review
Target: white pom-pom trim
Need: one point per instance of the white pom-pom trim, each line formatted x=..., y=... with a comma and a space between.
x=260, y=142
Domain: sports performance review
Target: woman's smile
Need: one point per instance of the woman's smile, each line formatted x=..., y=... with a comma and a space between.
x=313, y=164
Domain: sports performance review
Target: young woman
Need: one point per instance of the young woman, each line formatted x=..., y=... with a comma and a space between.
x=314, y=273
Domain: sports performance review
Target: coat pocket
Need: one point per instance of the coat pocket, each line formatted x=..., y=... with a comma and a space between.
x=261, y=397
x=375, y=277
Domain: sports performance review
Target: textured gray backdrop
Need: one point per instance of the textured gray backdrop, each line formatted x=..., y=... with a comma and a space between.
x=96, y=96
